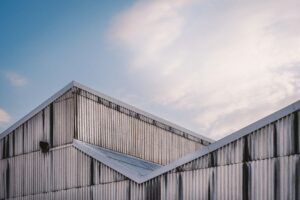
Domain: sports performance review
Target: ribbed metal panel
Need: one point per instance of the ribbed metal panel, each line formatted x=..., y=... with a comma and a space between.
x=18, y=137
x=71, y=168
x=63, y=125
x=267, y=179
x=186, y=185
x=60, y=169
x=3, y=179
x=262, y=165
x=148, y=190
x=24, y=139
x=104, y=174
x=113, y=191
x=102, y=125
x=265, y=164
x=33, y=133
x=274, y=140
x=54, y=124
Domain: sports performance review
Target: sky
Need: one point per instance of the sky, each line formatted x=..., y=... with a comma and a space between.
x=212, y=66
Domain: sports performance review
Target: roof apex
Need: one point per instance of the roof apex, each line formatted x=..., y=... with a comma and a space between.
x=74, y=83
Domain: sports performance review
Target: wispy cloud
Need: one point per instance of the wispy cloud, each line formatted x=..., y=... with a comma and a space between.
x=4, y=117
x=16, y=79
x=221, y=64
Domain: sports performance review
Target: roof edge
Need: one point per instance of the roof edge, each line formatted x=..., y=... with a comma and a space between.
x=226, y=140
x=137, y=110
x=36, y=110
x=83, y=87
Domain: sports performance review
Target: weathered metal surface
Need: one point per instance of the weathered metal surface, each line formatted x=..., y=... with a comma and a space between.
x=114, y=191
x=63, y=119
x=54, y=124
x=271, y=178
x=37, y=110
x=129, y=166
x=261, y=161
x=100, y=124
x=280, y=138
x=147, y=116
x=256, y=180
x=60, y=169
x=286, y=136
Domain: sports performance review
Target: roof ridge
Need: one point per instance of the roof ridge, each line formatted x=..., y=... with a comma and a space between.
x=104, y=96
x=37, y=109
x=137, y=110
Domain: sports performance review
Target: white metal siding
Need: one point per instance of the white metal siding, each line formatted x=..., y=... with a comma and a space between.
x=101, y=125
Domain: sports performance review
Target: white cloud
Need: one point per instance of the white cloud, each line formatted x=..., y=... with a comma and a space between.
x=226, y=63
x=4, y=117
x=16, y=79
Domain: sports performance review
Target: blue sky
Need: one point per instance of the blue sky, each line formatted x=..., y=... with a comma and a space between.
x=50, y=43
x=210, y=66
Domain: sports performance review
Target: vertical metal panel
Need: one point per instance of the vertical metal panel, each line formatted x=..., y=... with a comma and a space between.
x=137, y=191
x=3, y=179
x=103, y=124
x=274, y=178
x=74, y=193
x=33, y=133
x=25, y=174
x=104, y=174
x=35, y=173
x=63, y=111
x=18, y=136
x=186, y=185
x=26, y=138
x=61, y=169
x=266, y=179
x=273, y=140
x=114, y=191
x=70, y=169
x=261, y=165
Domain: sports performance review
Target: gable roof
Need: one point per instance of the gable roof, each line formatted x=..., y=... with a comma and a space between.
x=159, y=170
x=154, y=172
x=96, y=93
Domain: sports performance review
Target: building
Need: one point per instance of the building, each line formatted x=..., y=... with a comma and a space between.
x=81, y=144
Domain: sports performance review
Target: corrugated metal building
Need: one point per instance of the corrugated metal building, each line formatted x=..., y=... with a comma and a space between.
x=81, y=144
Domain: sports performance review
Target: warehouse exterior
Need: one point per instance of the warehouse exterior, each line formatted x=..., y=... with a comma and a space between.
x=81, y=144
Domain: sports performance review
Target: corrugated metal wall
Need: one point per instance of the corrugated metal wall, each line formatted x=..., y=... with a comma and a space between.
x=264, y=164
x=278, y=139
x=54, y=124
x=108, y=125
x=63, y=168
x=24, y=169
x=114, y=191
x=63, y=120
x=256, y=180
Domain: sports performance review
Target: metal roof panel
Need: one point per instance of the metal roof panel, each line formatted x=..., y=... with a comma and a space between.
x=132, y=167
